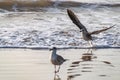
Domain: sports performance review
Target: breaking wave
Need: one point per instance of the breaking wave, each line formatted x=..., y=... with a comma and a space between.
x=35, y=5
x=38, y=26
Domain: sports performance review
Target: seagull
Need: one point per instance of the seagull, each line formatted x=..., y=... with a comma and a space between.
x=56, y=59
x=87, y=36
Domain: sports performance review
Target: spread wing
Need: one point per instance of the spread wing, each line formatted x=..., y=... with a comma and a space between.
x=99, y=31
x=75, y=20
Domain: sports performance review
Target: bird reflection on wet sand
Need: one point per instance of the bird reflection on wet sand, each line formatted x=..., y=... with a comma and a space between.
x=56, y=77
x=70, y=77
x=86, y=64
x=75, y=66
x=88, y=56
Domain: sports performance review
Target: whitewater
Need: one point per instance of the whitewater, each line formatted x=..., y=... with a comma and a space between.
x=45, y=27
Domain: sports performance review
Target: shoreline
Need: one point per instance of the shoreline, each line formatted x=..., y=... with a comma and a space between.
x=45, y=48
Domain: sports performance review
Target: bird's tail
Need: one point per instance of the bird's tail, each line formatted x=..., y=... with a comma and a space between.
x=66, y=59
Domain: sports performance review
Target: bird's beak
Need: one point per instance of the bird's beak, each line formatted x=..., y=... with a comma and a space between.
x=50, y=49
x=81, y=30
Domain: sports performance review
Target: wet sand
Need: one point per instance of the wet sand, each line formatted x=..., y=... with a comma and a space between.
x=27, y=64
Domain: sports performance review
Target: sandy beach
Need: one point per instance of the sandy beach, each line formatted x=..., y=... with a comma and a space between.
x=27, y=64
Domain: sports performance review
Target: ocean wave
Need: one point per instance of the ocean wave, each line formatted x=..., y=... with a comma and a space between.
x=45, y=29
x=32, y=5
x=46, y=39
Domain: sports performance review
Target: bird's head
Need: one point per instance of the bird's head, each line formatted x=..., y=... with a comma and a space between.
x=54, y=48
x=81, y=30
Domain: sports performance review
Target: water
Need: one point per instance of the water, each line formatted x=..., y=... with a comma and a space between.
x=36, y=26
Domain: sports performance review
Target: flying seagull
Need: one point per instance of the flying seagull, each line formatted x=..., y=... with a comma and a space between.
x=87, y=36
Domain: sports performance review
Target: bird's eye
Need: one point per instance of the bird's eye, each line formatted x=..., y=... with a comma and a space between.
x=81, y=30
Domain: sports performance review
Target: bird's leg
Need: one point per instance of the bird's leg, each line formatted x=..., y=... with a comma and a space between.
x=55, y=69
x=91, y=51
x=88, y=50
x=91, y=44
x=58, y=68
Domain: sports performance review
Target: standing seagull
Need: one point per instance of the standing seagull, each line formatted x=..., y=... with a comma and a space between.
x=87, y=36
x=56, y=59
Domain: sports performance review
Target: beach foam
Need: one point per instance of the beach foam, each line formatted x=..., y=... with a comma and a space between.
x=52, y=27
